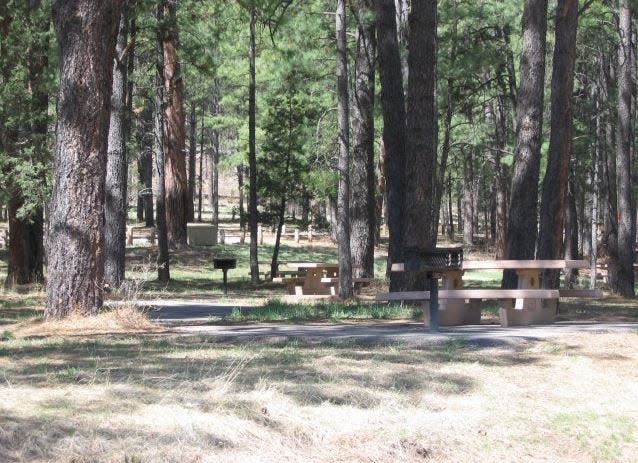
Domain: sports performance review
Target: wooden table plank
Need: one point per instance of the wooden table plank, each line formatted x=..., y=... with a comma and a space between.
x=524, y=264
x=472, y=294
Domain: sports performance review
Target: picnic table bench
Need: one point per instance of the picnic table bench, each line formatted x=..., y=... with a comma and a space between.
x=526, y=305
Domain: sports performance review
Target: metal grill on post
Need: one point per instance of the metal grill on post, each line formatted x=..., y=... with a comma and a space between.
x=224, y=264
x=432, y=261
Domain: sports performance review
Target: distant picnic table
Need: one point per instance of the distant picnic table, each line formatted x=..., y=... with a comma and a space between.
x=526, y=305
x=314, y=278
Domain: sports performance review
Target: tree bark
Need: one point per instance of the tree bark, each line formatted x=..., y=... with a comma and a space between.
x=214, y=193
x=622, y=279
x=163, y=256
x=363, y=201
x=145, y=162
x=553, y=202
x=192, y=155
x=468, y=198
x=252, y=153
x=394, y=129
x=200, y=177
x=343, y=142
x=177, y=198
x=116, y=198
x=522, y=223
x=571, y=233
x=420, y=224
x=86, y=33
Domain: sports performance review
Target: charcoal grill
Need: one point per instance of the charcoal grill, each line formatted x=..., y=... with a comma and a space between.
x=432, y=261
x=224, y=264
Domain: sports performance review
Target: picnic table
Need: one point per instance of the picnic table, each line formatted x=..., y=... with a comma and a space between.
x=526, y=305
x=308, y=281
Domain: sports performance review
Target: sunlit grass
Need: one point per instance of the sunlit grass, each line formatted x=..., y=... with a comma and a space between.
x=276, y=310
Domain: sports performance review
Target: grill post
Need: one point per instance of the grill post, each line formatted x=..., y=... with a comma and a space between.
x=433, y=261
x=434, y=302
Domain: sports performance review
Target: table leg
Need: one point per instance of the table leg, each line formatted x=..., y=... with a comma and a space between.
x=528, y=279
x=527, y=311
x=312, y=283
x=455, y=312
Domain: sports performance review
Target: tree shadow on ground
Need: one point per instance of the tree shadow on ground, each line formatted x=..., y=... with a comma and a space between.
x=305, y=370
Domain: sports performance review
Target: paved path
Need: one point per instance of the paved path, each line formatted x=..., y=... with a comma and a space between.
x=191, y=318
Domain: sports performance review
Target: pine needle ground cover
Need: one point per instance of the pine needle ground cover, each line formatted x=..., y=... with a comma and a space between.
x=161, y=398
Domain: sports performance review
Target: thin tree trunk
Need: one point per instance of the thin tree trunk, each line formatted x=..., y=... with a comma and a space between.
x=200, y=178
x=252, y=154
x=86, y=33
x=622, y=281
x=394, y=129
x=163, y=257
x=596, y=168
x=242, y=210
x=363, y=201
x=192, y=155
x=343, y=118
x=145, y=162
x=553, y=202
x=522, y=223
x=115, y=198
x=468, y=200
x=571, y=233
x=177, y=199
x=450, y=230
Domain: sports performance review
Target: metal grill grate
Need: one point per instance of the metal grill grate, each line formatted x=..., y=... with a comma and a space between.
x=433, y=259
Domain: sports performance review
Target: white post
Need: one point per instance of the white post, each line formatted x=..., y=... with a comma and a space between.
x=310, y=233
x=260, y=234
x=283, y=229
x=296, y=235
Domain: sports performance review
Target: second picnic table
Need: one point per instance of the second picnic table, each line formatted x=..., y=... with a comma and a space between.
x=310, y=283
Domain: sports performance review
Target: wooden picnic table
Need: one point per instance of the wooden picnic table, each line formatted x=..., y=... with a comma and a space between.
x=311, y=283
x=532, y=305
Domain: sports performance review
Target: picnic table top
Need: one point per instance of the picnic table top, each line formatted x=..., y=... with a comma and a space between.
x=512, y=265
x=311, y=265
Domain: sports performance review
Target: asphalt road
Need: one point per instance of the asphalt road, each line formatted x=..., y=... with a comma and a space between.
x=194, y=319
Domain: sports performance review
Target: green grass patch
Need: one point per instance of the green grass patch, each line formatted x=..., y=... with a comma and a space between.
x=603, y=435
x=276, y=310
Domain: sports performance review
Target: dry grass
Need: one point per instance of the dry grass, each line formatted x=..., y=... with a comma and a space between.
x=170, y=399
x=123, y=319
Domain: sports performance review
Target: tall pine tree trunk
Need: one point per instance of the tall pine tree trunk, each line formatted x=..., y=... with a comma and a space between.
x=522, y=223
x=622, y=278
x=420, y=225
x=214, y=171
x=177, y=198
x=394, y=130
x=363, y=207
x=553, y=202
x=86, y=33
x=343, y=119
x=115, y=197
x=252, y=150
x=163, y=257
